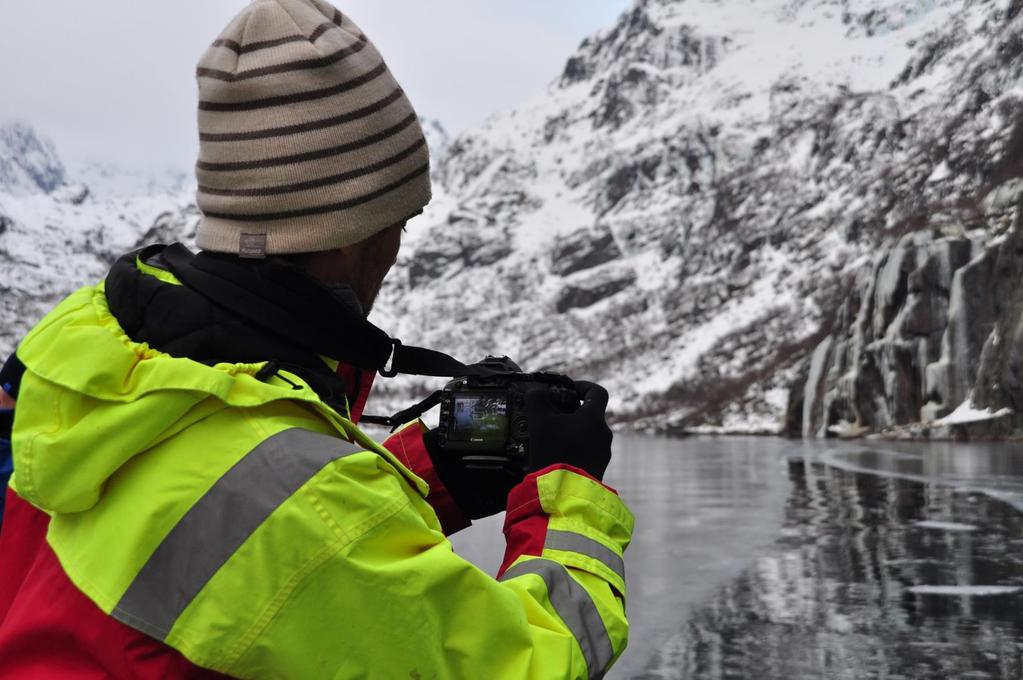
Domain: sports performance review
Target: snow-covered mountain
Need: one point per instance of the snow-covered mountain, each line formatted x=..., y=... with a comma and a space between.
x=679, y=215
x=437, y=138
x=56, y=234
x=109, y=181
x=697, y=203
x=63, y=223
x=28, y=163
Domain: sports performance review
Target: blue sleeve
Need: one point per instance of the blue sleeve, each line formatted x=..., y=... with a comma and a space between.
x=6, y=462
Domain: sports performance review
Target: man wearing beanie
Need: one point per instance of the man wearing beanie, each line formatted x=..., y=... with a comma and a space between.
x=192, y=496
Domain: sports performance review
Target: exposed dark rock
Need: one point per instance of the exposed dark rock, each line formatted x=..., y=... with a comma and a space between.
x=554, y=125
x=584, y=249
x=625, y=180
x=173, y=226
x=999, y=379
x=971, y=317
x=1013, y=10
x=443, y=257
x=429, y=264
x=616, y=107
x=488, y=253
x=575, y=70
x=793, y=428
x=938, y=323
x=579, y=295
x=884, y=361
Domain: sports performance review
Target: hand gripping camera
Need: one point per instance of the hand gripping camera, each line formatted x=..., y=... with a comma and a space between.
x=483, y=419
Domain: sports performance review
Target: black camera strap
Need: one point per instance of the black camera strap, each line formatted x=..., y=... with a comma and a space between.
x=406, y=415
x=409, y=360
x=284, y=301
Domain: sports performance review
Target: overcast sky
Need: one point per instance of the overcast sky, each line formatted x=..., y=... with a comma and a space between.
x=113, y=79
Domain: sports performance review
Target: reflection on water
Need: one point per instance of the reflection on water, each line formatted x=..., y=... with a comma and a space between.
x=704, y=509
x=776, y=560
x=887, y=565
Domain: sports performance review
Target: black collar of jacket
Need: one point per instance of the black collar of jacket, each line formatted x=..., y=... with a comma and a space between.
x=243, y=311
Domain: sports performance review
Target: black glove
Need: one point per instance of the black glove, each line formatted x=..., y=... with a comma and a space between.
x=581, y=438
x=478, y=493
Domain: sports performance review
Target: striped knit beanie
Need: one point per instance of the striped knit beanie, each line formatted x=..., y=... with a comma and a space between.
x=307, y=143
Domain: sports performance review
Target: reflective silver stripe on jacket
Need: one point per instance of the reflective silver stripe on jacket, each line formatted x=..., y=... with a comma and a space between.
x=576, y=608
x=572, y=542
x=220, y=522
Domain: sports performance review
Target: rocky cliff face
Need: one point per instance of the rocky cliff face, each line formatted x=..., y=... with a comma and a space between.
x=679, y=215
x=924, y=344
x=927, y=343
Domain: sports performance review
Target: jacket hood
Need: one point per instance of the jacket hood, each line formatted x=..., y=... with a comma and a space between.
x=93, y=398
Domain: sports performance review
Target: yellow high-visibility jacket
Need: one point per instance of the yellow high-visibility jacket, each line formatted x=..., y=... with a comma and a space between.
x=259, y=533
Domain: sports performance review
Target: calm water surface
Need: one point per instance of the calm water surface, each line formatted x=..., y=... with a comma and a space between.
x=769, y=559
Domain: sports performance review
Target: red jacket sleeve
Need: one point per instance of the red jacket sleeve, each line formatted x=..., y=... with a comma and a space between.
x=407, y=445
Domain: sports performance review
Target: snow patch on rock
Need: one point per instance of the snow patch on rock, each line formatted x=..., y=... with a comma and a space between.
x=967, y=412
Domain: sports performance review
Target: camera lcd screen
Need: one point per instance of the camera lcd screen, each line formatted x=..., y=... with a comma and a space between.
x=480, y=418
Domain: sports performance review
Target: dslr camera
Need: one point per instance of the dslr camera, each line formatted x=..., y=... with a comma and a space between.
x=483, y=419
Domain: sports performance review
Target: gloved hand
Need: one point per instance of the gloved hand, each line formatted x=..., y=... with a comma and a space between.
x=581, y=439
x=478, y=493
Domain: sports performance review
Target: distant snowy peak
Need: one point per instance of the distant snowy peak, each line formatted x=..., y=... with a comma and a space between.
x=29, y=163
x=648, y=37
x=672, y=43
x=108, y=181
x=437, y=137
